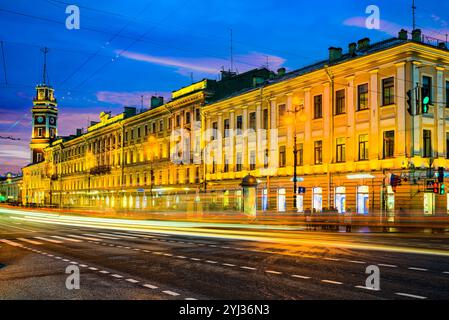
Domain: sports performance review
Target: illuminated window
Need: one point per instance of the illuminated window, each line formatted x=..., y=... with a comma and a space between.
x=318, y=106
x=426, y=89
x=239, y=124
x=340, y=106
x=281, y=113
x=300, y=155
x=388, y=91
x=318, y=152
x=252, y=160
x=362, y=93
x=341, y=150
x=226, y=128
x=317, y=199
x=187, y=117
x=265, y=119
x=238, y=162
x=252, y=120
x=388, y=148
x=282, y=156
x=282, y=200
x=362, y=199
x=363, y=147
x=340, y=199
x=447, y=94
x=214, y=131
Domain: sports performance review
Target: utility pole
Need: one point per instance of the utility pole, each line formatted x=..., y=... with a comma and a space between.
x=414, y=14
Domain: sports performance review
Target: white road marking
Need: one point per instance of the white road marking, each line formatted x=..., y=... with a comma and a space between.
x=68, y=239
x=66, y=260
x=29, y=241
x=190, y=299
x=387, y=265
x=168, y=254
x=410, y=295
x=355, y=261
x=298, y=276
x=331, y=282
x=248, y=268
x=49, y=240
x=103, y=237
x=195, y=259
x=181, y=257
x=104, y=271
x=367, y=288
x=72, y=262
x=11, y=243
x=211, y=261
x=273, y=272
x=83, y=265
x=417, y=269
x=93, y=269
x=229, y=264
x=132, y=280
x=116, y=235
x=84, y=238
x=171, y=293
x=117, y=276
x=332, y=259
x=446, y=272
x=149, y=286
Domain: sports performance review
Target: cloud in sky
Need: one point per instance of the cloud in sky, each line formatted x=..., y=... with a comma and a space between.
x=128, y=98
x=208, y=65
x=392, y=28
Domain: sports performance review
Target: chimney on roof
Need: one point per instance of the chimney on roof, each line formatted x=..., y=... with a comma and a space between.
x=130, y=111
x=281, y=72
x=442, y=45
x=403, y=34
x=79, y=132
x=156, y=101
x=227, y=74
x=335, y=53
x=363, y=44
x=416, y=35
x=352, y=49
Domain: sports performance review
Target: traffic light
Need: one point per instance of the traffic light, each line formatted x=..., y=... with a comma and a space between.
x=442, y=189
x=409, y=102
x=440, y=174
x=424, y=100
x=436, y=189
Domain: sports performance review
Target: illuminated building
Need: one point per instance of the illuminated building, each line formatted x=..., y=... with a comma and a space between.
x=353, y=131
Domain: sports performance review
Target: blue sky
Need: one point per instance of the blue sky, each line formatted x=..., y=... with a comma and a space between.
x=125, y=49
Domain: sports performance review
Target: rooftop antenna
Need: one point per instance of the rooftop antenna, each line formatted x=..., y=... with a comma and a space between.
x=414, y=14
x=191, y=77
x=44, y=73
x=232, y=53
x=141, y=103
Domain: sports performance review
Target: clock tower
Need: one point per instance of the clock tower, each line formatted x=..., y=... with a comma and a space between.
x=44, y=115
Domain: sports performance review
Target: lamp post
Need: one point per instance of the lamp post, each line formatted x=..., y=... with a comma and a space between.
x=298, y=107
x=152, y=149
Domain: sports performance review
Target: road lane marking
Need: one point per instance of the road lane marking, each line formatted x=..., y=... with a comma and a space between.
x=417, y=269
x=195, y=259
x=83, y=265
x=367, y=288
x=84, y=238
x=190, y=299
x=117, y=276
x=211, y=261
x=171, y=293
x=49, y=240
x=446, y=272
x=29, y=241
x=168, y=254
x=298, y=276
x=68, y=239
x=248, y=268
x=332, y=259
x=273, y=272
x=104, y=271
x=356, y=261
x=410, y=295
x=116, y=235
x=132, y=280
x=229, y=264
x=387, y=265
x=93, y=268
x=149, y=286
x=11, y=243
x=181, y=257
x=103, y=237
x=331, y=281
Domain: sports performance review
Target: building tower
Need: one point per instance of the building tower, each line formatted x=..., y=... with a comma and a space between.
x=45, y=116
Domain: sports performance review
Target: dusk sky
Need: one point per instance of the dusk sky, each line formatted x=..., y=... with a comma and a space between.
x=125, y=49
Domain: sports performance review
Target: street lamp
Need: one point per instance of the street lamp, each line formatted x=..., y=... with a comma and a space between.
x=298, y=107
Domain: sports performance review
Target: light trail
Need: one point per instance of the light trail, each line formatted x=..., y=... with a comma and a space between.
x=198, y=230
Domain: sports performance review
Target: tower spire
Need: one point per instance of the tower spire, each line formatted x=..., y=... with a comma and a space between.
x=44, y=73
x=414, y=14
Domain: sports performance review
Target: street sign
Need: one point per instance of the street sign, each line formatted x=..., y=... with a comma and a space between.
x=301, y=190
x=140, y=190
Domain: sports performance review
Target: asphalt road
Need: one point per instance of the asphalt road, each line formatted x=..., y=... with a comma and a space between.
x=154, y=264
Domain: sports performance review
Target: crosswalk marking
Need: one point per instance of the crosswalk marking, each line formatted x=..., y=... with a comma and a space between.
x=68, y=239
x=11, y=243
x=49, y=240
x=84, y=238
x=96, y=235
x=29, y=241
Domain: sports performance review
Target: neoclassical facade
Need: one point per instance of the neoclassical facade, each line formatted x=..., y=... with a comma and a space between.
x=350, y=115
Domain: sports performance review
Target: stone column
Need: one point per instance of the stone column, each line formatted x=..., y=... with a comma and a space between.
x=245, y=138
x=400, y=144
x=352, y=137
x=439, y=136
x=376, y=137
